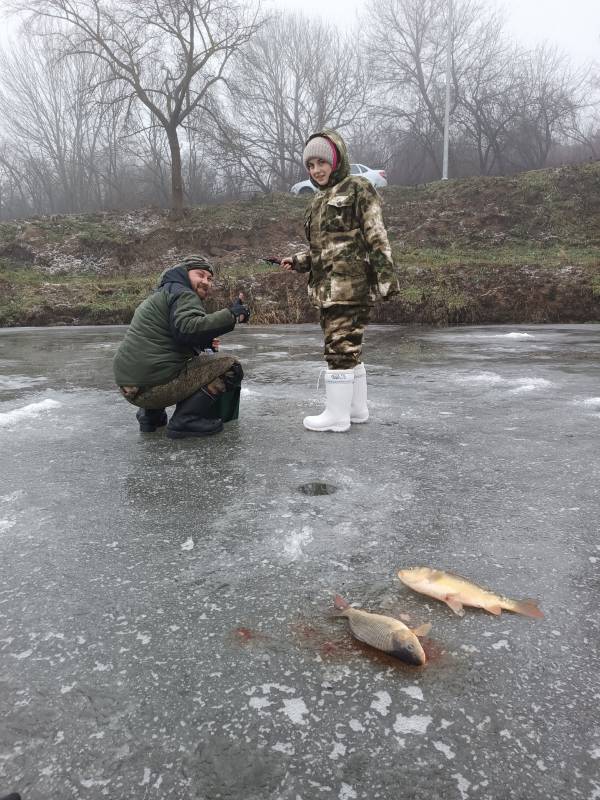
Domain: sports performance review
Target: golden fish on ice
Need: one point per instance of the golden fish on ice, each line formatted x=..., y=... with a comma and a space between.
x=385, y=633
x=457, y=592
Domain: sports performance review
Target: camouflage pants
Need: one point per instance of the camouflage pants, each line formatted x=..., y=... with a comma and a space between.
x=201, y=370
x=343, y=328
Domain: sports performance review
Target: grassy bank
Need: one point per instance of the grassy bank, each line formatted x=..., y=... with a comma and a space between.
x=519, y=249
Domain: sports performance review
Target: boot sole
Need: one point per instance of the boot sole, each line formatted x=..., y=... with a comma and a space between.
x=359, y=421
x=333, y=428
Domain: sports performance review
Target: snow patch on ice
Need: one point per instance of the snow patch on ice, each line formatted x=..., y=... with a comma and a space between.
x=443, y=748
x=486, y=378
x=293, y=545
x=295, y=710
x=287, y=748
x=188, y=544
x=514, y=385
x=8, y=382
x=382, y=704
x=356, y=726
x=259, y=702
x=514, y=335
x=21, y=656
x=589, y=402
x=414, y=724
x=25, y=412
x=146, y=778
x=414, y=692
x=338, y=750
x=347, y=793
x=530, y=385
x=10, y=498
x=463, y=785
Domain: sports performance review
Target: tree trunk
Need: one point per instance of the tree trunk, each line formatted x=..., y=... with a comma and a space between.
x=176, y=175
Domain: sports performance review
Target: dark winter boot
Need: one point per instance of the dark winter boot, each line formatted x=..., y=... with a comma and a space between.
x=194, y=416
x=151, y=418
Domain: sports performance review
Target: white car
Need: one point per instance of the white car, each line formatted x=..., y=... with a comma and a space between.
x=376, y=176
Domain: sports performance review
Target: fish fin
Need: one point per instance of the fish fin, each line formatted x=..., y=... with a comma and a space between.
x=455, y=604
x=340, y=603
x=422, y=630
x=497, y=610
x=529, y=608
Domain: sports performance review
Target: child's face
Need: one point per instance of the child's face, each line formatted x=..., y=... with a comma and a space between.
x=319, y=170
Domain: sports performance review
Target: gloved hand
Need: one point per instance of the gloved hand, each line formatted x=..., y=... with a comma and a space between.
x=240, y=311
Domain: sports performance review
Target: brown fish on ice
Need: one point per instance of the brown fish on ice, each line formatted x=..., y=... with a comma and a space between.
x=385, y=633
x=458, y=592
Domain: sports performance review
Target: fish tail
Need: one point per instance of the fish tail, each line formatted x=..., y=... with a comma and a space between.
x=340, y=603
x=527, y=607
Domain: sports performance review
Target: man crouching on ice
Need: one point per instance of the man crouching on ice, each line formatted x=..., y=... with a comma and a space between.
x=160, y=361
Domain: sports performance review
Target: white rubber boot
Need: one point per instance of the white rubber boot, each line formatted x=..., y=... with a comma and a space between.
x=359, y=411
x=339, y=384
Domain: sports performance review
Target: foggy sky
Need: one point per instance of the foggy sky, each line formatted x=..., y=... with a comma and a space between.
x=573, y=25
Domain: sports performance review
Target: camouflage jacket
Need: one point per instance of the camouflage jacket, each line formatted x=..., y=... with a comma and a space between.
x=350, y=260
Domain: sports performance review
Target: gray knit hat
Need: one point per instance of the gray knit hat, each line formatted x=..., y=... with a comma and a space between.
x=196, y=261
x=321, y=147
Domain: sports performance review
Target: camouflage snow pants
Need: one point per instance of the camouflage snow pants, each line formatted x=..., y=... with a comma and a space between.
x=201, y=370
x=343, y=328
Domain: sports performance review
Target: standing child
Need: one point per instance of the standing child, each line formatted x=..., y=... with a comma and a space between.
x=350, y=266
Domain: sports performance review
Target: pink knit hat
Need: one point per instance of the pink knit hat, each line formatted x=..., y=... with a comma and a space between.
x=321, y=147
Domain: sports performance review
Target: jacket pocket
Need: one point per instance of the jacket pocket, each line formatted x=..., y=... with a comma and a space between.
x=339, y=214
x=349, y=285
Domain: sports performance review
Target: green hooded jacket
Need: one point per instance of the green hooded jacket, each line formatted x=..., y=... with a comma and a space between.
x=349, y=260
x=168, y=328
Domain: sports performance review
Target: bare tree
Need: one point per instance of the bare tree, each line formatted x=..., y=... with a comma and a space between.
x=51, y=123
x=487, y=97
x=169, y=53
x=406, y=43
x=550, y=96
x=296, y=76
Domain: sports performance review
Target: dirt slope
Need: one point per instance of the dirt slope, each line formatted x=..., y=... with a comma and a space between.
x=525, y=248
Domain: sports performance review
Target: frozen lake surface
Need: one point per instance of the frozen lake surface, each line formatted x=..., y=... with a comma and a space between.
x=165, y=627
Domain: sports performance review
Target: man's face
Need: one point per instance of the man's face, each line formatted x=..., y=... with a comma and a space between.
x=201, y=282
x=319, y=170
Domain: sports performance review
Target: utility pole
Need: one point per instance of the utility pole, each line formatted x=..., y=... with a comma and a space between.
x=448, y=79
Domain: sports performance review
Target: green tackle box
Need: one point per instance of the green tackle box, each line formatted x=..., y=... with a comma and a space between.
x=227, y=406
